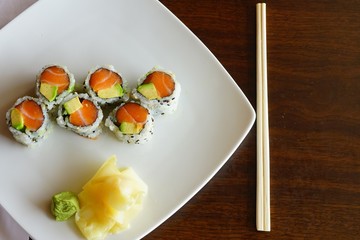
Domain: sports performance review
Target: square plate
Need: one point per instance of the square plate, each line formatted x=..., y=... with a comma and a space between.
x=188, y=147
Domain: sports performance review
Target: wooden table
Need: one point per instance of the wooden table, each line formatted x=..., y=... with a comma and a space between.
x=314, y=118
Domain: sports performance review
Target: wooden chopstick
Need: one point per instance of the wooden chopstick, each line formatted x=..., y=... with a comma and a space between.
x=262, y=124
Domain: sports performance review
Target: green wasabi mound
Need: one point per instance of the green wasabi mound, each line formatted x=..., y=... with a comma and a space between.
x=64, y=205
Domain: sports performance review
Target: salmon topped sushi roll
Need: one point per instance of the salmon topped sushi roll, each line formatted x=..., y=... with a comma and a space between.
x=105, y=85
x=28, y=120
x=131, y=123
x=80, y=114
x=159, y=91
x=53, y=83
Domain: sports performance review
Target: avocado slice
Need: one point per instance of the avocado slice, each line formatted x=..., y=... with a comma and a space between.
x=115, y=91
x=17, y=120
x=130, y=128
x=73, y=105
x=49, y=91
x=148, y=90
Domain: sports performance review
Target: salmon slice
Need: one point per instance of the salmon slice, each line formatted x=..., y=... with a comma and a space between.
x=85, y=116
x=163, y=82
x=32, y=114
x=132, y=113
x=103, y=79
x=55, y=76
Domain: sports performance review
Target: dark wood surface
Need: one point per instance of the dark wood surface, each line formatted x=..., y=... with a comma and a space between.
x=314, y=118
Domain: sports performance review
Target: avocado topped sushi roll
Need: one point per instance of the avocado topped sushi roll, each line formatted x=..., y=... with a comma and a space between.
x=28, y=120
x=53, y=83
x=80, y=114
x=131, y=123
x=159, y=91
x=105, y=85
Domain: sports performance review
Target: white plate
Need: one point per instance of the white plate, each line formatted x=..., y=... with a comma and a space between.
x=188, y=147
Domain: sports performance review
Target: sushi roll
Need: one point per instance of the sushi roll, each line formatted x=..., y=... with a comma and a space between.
x=131, y=123
x=158, y=91
x=80, y=114
x=28, y=120
x=53, y=84
x=105, y=85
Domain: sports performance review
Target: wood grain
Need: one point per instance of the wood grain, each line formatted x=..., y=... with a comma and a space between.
x=314, y=116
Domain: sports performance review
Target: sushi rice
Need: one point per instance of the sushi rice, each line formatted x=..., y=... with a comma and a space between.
x=51, y=104
x=165, y=105
x=92, y=131
x=94, y=95
x=144, y=136
x=26, y=136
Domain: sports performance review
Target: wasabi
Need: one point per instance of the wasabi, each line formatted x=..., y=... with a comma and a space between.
x=64, y=205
